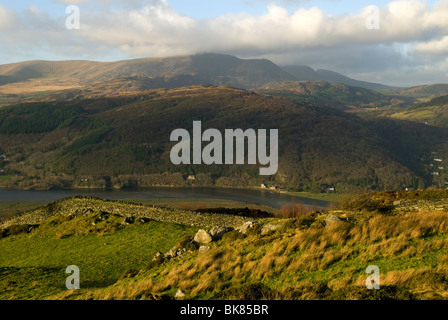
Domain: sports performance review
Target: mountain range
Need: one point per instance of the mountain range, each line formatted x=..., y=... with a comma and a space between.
x=152, y=73
x=107, y=124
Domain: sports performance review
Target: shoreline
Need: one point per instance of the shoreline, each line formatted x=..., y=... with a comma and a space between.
x=256, y=196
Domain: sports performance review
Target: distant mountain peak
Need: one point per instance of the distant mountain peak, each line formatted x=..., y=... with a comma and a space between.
x=306, y=73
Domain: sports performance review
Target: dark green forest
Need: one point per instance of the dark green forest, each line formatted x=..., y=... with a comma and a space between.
x=124, y=142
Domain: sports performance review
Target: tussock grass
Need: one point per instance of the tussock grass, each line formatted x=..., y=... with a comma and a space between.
x=307, y=258
x=322, y=262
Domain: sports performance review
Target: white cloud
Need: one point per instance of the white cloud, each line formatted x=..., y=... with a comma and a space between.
x=435, y=47
x=6, y=18
x=306, y=35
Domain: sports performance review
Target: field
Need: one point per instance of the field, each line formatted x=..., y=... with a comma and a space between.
x=33, y=267
x=312, y=256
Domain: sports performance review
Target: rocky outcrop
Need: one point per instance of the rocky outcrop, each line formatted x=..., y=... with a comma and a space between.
x=421, y=205
x=77, y=206
x=249, y=225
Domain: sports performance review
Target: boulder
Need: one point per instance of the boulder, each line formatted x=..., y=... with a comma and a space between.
x=270, y=227
x=331, y=218
x=249, y=225
x=203, y=236
x=217, y=232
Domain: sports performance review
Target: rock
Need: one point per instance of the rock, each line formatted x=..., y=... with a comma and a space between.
x=249, y=225
x=157, y=256
x=331, y=218
x=217, y=232
x=203, y=236
x=270, y=227
x=171, y=254
x=128, y=220
x=180, y=253
x=203, y=249
x=179, y=295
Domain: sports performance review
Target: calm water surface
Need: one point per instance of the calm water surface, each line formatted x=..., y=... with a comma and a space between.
x=250, y=196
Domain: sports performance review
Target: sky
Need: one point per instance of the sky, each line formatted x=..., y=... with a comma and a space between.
x=403, y=43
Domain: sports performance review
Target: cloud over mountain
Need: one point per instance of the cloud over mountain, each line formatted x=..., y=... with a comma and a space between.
x=412, y=38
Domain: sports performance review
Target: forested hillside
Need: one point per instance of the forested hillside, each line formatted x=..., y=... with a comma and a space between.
x=124, y=141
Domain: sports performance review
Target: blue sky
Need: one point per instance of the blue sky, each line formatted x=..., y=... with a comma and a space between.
x=203, y=9
x=411, y=47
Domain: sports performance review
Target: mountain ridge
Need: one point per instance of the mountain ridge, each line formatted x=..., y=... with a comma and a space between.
x=306, y=73
x=171, y=72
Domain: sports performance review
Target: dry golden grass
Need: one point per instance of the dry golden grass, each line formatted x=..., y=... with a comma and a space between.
x=309, y=263
x=40, y=85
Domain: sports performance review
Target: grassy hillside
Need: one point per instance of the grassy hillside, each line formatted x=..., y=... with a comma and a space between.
x=426, y=92
x=32, y=81
x=142, y=74
x=335, y=95
x=94, y=234
x=314, y=256
x=433, y=112
x=124, y=142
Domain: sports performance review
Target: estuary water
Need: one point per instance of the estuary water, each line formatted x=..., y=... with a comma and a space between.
x=249, y=196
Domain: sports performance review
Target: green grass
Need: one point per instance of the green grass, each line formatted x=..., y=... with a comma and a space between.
x=314, y=262
x=303, y=259
x=419, y=114
x=33, y=265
